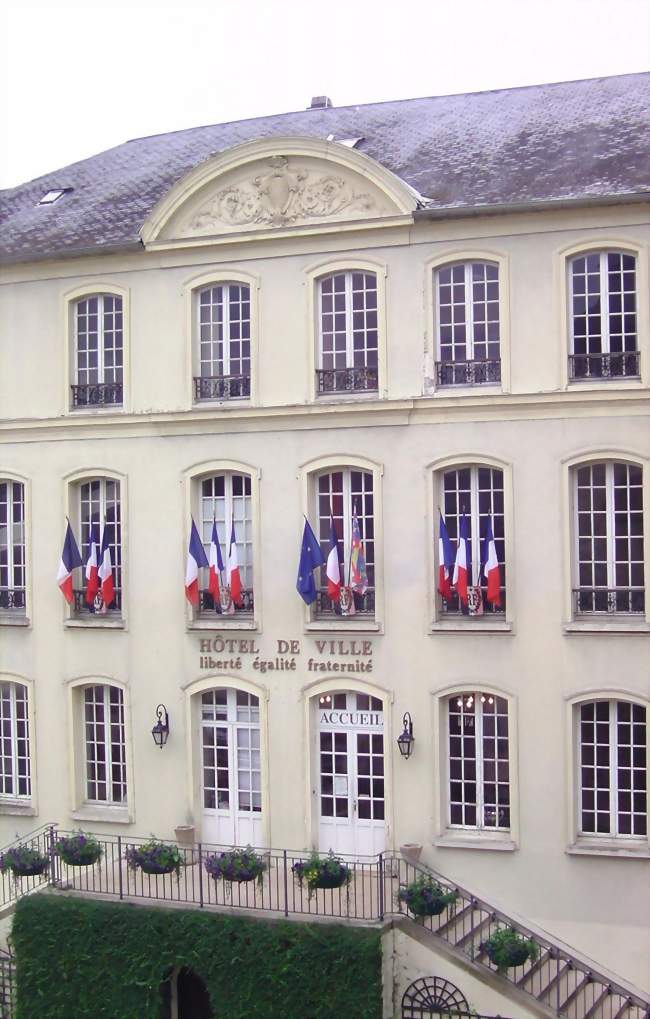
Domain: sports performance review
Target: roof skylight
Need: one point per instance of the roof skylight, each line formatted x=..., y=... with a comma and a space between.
x=53, y=196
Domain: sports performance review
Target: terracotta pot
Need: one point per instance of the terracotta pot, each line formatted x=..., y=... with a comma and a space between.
x=185, y=834
x=411, y=851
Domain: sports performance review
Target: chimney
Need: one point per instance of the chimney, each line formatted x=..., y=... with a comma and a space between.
x=320, y=103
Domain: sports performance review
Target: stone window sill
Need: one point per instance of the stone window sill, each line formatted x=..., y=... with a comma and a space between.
x=597, y=625
x=220, y=623
x=610, y=847
x=343, y=626
x=17, y=808
x=490, y=388
x=95, y=624
x=458, y=840
x=236, y=402
x=8, y=620
x=106, y=815
x=463, y=624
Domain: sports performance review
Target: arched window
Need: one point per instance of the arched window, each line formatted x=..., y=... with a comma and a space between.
x=468, y=327
x=15, y=767
x=602, y=313
x=612, y=768
x=608, y=538
x=96, y=507
x=223, y=312
x=225, y=498
x=104, y=745
x=345, y=497
x=13, y=578
x=98, y=351
x=348, y=333
x=479, y=752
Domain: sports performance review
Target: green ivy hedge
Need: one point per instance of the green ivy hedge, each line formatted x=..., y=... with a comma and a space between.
x=98, y=960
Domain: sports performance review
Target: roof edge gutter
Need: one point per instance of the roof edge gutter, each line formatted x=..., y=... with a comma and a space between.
x=499, y=208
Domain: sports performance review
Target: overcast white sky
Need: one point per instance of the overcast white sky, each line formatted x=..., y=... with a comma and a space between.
x=75, y=80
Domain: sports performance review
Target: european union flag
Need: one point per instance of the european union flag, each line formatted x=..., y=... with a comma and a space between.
x=310, y=558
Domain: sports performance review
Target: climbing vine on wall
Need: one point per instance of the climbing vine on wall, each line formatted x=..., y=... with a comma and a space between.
x=98, y=960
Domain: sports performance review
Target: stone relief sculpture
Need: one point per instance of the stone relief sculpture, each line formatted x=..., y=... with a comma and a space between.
x=280, y=197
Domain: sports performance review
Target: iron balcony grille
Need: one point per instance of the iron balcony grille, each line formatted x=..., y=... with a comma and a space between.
x=82, y=608
x=468, y=373
x=347, y=380
x=608, y=600
x=623, y=364
x=222, y=387
x=12, y=599
x=207, y=606
x=97, y=394
x=454, y=607
x=325, y=608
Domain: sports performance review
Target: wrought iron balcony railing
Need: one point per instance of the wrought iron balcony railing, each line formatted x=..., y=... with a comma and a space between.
x=13, y=599
x=325, y=608
x=222, y=387
x=347, y=380
x=624, y=364
x=608, y=600
x=82, y=608
x=97, y=394
x=468, y=373
x=454, y=607
x=208, y=608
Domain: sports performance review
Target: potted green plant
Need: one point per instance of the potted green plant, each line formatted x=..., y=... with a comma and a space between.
x=507, y=947
x=79, y=850
x=238, y=865
x=154, y=857
x=322, y=872
x=23, y=861
x=426, y=897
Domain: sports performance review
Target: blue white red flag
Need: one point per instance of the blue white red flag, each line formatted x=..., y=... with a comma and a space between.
x=445, y=561
x=196, y=558
x=70, y=559
x=234, y=576
x=461, y=566
x=358, y=572
x=105, y=571
x=92, y=565
x=491, y=568
x=333, y=568
x=311, y=557
x=216, y=566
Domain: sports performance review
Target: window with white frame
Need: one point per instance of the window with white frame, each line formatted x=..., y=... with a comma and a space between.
x=15, y=767
x=479, y=762
x=226, y=499
x=608, y=564
x=477, y=492
x=232, y=767
x=105, y=745
x=602, y=296
x=224, y=342
x=100, y=509
x=13, y=580
x=346, y=495
x=99, y=351
x=468, y=329
x=348, y=333
x=613, y=777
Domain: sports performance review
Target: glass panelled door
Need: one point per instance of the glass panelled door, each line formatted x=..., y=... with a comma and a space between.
x=351, y=774
x=231, y=768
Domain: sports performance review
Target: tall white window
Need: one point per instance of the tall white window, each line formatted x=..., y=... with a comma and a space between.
x=477, y=492
x=602, y=295
x=344, y=495
x=479, y=761
x=613, y=768
x=347, y=332
x=99, y=506
x=99, y=351
x=232, y=768
x=224, y=342
x=13, y=590
x=227, y=499
x=609, y=567
x=105, y=745
x=468, y=331
x=15, y=770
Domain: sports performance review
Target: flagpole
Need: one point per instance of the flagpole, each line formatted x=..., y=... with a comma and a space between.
x=354, y=513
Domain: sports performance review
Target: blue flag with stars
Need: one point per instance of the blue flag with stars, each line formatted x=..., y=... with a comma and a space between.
x=311, y=558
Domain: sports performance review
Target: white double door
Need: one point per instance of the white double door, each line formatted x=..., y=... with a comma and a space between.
x=231, y=771
x=351, y=779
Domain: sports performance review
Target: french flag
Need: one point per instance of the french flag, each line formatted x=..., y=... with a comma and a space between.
x=196, y=558
x=105, y=571
x=70, y=559
x=461, y=566
x=445, y=561
x=491, y=569
x=234, y=577
x=333, y=569
x=92, y=566
x=216, y=566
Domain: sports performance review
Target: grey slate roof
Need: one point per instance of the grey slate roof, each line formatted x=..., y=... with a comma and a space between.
x=571, y=140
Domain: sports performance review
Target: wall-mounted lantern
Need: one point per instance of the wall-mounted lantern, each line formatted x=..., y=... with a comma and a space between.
x=406, y=740
x=160, y=731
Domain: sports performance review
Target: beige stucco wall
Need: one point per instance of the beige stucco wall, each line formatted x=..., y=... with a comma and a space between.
x=598, y=903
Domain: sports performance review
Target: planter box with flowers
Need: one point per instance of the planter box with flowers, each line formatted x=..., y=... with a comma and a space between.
x=426, y=897
x=507, y=948
x=238, y=865
x=79, y=850
x=154, y=857
x=24, y=862
x=322, y=872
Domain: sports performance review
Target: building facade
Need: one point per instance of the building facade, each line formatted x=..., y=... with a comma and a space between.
x=300, y=317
